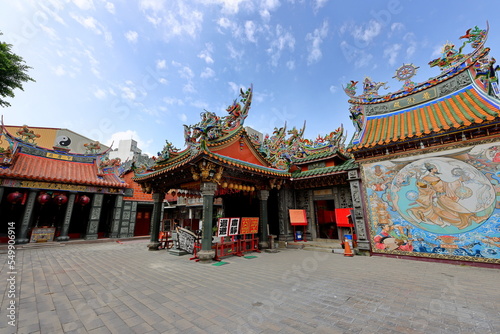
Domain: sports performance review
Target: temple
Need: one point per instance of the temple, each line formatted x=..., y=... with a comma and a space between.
x=419, y=178
x=51, y=193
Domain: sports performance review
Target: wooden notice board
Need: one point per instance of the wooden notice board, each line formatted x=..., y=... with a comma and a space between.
x=298, y=217
x=249, y=225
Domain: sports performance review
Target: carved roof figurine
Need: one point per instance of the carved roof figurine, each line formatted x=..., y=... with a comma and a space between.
x=92, y=147
x=212, y=127
x=463, y=96
x=27, y=135
x=168, y=150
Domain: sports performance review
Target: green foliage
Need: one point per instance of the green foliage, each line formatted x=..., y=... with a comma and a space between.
x=13, y=73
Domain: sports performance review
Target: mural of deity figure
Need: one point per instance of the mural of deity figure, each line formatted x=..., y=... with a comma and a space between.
x=444, y=196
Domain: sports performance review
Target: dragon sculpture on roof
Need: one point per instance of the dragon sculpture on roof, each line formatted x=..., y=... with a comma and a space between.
x=212, y=127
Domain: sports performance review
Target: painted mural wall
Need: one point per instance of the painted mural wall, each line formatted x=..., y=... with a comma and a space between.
x=439, y=205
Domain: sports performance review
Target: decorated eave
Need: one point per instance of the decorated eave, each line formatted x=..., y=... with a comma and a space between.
x=460, y=104
x=23, y=160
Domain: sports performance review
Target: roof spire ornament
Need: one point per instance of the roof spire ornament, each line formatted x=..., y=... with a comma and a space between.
x=405, y=73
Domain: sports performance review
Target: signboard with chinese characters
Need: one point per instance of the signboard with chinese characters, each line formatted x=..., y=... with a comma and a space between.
x=298, y=217
x=249, y=225
x=223, y=227
x=234, y=226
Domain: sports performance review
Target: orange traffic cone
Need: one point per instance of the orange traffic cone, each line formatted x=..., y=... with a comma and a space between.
x=347, y=249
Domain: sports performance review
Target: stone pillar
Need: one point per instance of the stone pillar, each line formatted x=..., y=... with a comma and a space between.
x=155, y=220
x=63, y=236
x=208, y=191
x=95, y=215
x=22, y=238
x=358, y=219
x=117, y=216
x=133, y=214
x=263, y=236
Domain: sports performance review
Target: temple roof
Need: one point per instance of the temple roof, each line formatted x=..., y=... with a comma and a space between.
x=25, y=161
x=464, y=96
x=464, y=108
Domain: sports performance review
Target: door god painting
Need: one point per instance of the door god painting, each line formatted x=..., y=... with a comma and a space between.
x=442, y=206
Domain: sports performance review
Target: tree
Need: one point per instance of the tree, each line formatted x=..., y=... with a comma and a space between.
x=13, y=73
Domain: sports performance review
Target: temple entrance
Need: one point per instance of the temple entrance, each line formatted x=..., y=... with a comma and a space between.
x=79, y=220
x=142, y=221
x=240, y=205
x=106, y=218
x=325, y=219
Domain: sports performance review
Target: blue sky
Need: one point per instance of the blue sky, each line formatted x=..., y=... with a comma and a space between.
x=140, y=69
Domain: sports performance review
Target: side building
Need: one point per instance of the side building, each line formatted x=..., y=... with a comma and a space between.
x=52, y=193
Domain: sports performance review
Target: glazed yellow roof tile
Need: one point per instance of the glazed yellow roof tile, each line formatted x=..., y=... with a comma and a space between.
x=463, y=108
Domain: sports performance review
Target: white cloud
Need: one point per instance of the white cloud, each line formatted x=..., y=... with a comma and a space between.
x=84, y=4
x=206, y=54
x=199, y=104
x=333, y=89
x=110, y=7
x=189, y=88
x=100, y=94
x=224, y=22
x=131, y=92
x=59, y=71
x=93, y=25
x=233, y=53
x=182, y=117
x=290, y=64
x=412, y=45
x=161, y=64
x=318, y=4
x=176, y=18
x=250, y=28
x=186, y=73
x=50, y=32
x=207, y=73
x=283, y=40
x=392, y=53
x=316, y=39
x=131, y=36
x=266, y=7
x=397, y=26
x=154, y=5
x=366, y=33
x=173, y=100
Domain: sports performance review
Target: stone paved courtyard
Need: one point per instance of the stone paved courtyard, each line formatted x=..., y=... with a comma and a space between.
x=124, y=288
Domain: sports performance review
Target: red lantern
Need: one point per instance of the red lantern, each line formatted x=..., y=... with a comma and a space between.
x=15, y=197
x=61, y=199
x=43, y=198
x=84, y=200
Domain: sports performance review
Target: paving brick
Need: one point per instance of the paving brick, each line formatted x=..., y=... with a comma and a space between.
x=124, y=288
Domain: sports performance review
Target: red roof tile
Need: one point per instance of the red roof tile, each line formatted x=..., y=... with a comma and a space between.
x=29, y=167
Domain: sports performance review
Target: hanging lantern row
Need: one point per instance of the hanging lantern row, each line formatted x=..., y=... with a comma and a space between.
x=187, y=194
x=236, y=186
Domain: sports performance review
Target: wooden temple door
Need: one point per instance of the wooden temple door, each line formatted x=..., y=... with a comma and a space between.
x=142, y=221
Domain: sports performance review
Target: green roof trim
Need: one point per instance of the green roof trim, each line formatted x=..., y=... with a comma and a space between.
x=347, y=165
